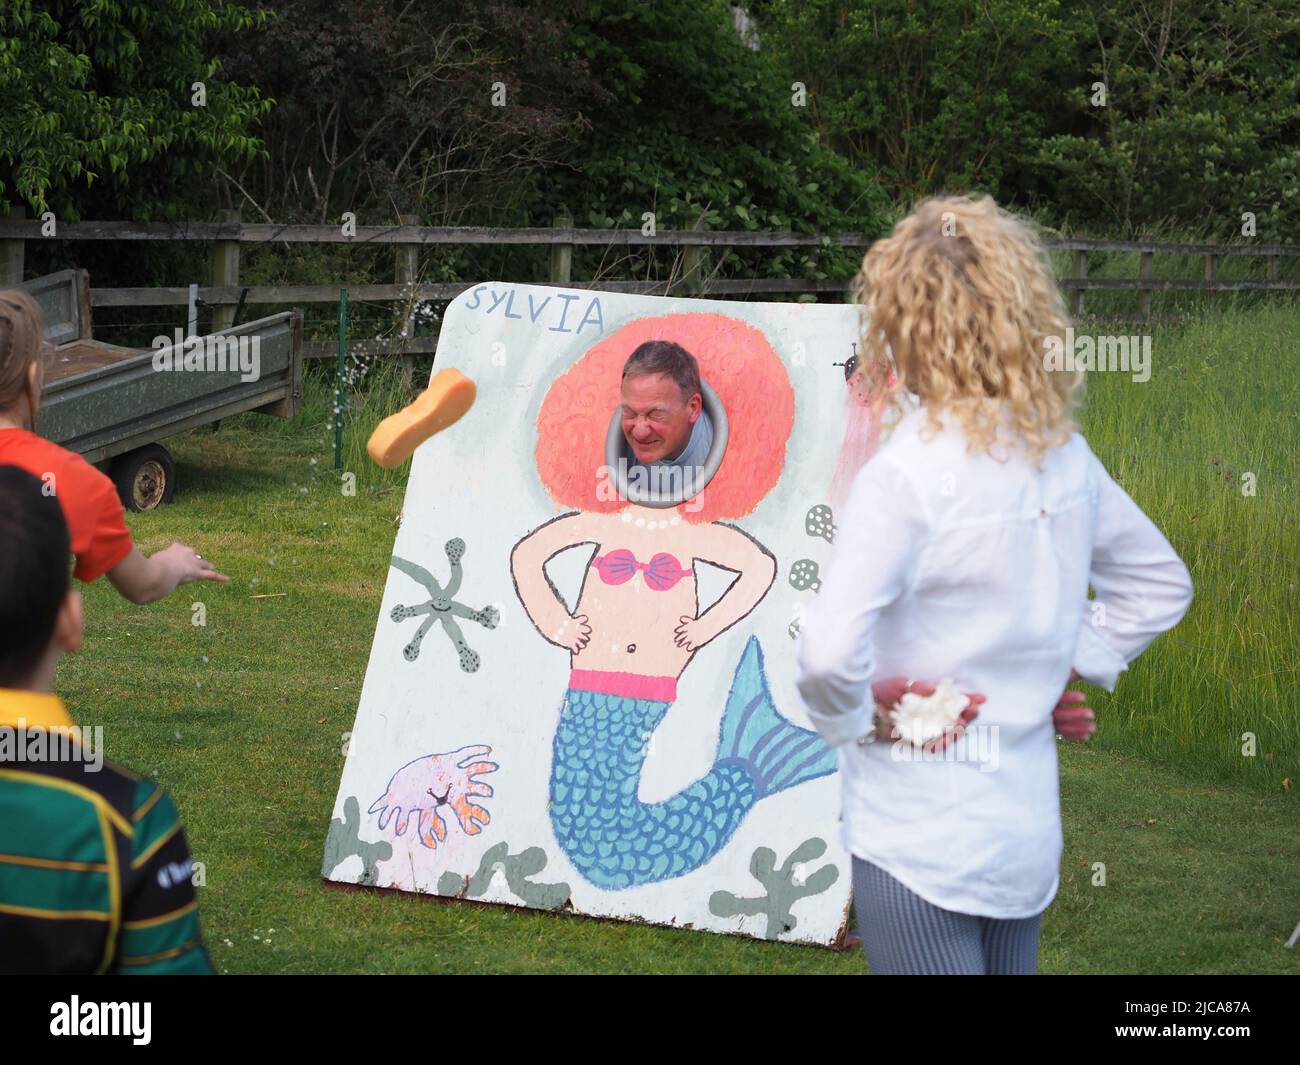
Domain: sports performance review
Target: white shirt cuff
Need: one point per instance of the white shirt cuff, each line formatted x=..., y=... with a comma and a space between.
x=839, y=729
x=1095, y=660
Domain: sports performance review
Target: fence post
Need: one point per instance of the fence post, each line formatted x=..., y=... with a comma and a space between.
x=1080, y=274
x=1144, y=294
x=1211, y=267
x=406, y=274
x=561, y=254
x=11, y=252
x=1274, y=261
x=693, y=261
x=225, y=272
x=338, y=379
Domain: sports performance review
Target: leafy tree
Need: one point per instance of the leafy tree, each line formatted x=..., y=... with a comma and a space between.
x=97, y=106
x=501, y=114
x=1201, y=119
x=438, y=108
x=701, y=129
x=939, y=94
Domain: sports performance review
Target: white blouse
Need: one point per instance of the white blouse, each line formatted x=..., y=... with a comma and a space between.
x=954, y=565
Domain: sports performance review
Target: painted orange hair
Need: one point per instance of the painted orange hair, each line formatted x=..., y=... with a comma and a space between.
x=734, y=358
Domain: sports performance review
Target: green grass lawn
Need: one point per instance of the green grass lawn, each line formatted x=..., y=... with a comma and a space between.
x=243, y=718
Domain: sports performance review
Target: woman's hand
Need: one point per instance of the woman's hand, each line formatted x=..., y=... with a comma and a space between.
x=887, y=694
x=1070, y=717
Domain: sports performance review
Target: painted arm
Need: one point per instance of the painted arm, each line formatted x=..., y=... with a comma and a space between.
x=539, y=598
x=731, y=549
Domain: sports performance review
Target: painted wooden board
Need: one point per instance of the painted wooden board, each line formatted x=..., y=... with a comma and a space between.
x=488, y=761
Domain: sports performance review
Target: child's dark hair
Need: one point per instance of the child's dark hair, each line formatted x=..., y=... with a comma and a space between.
x=21, y=329
x=34, y=572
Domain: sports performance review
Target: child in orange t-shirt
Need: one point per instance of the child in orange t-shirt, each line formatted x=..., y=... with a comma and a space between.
x=101, y=542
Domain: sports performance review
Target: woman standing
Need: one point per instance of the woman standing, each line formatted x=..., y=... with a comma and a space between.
x=967, y=548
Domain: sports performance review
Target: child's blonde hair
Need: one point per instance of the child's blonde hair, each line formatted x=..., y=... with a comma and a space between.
x=956, y=304
x=21, y=328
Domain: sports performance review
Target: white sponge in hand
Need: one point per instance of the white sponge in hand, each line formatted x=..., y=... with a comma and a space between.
x=922, y=718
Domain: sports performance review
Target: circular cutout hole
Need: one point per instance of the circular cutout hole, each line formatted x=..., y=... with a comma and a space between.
x=671, y=485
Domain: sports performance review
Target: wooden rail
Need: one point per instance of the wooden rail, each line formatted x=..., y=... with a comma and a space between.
x=227, y=236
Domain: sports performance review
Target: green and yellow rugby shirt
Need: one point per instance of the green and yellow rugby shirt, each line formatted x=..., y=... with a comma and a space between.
x=95, y=873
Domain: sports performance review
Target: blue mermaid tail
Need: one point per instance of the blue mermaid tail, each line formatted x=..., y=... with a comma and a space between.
x=617, y=841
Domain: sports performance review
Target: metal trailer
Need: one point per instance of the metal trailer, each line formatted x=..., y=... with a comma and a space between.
x=112, y=405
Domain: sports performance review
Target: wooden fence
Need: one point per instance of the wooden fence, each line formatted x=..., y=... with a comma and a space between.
x=224, y=293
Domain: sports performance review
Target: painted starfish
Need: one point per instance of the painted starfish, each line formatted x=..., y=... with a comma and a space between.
x=442, y=607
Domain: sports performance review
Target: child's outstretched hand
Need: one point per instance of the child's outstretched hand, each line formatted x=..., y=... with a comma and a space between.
x=146, y=580
x=187, y=565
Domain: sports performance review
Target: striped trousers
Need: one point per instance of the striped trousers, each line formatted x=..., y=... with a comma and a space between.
x=903, y=934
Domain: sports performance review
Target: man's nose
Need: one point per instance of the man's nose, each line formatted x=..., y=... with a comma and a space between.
x=643, y=433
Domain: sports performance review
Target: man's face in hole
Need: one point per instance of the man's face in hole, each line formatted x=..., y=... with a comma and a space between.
x=657, y=420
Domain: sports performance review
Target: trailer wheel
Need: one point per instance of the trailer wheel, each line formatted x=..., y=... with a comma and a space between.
x=145, y=478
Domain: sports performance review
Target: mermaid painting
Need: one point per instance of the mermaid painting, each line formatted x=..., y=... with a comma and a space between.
x=637, y=624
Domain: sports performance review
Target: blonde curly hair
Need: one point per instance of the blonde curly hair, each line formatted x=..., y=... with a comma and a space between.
x=957, y=302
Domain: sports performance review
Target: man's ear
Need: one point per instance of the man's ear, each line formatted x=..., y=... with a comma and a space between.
x=695, y=405
x=70, y=628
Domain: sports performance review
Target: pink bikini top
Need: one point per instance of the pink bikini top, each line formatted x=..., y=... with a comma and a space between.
x=661, y=572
